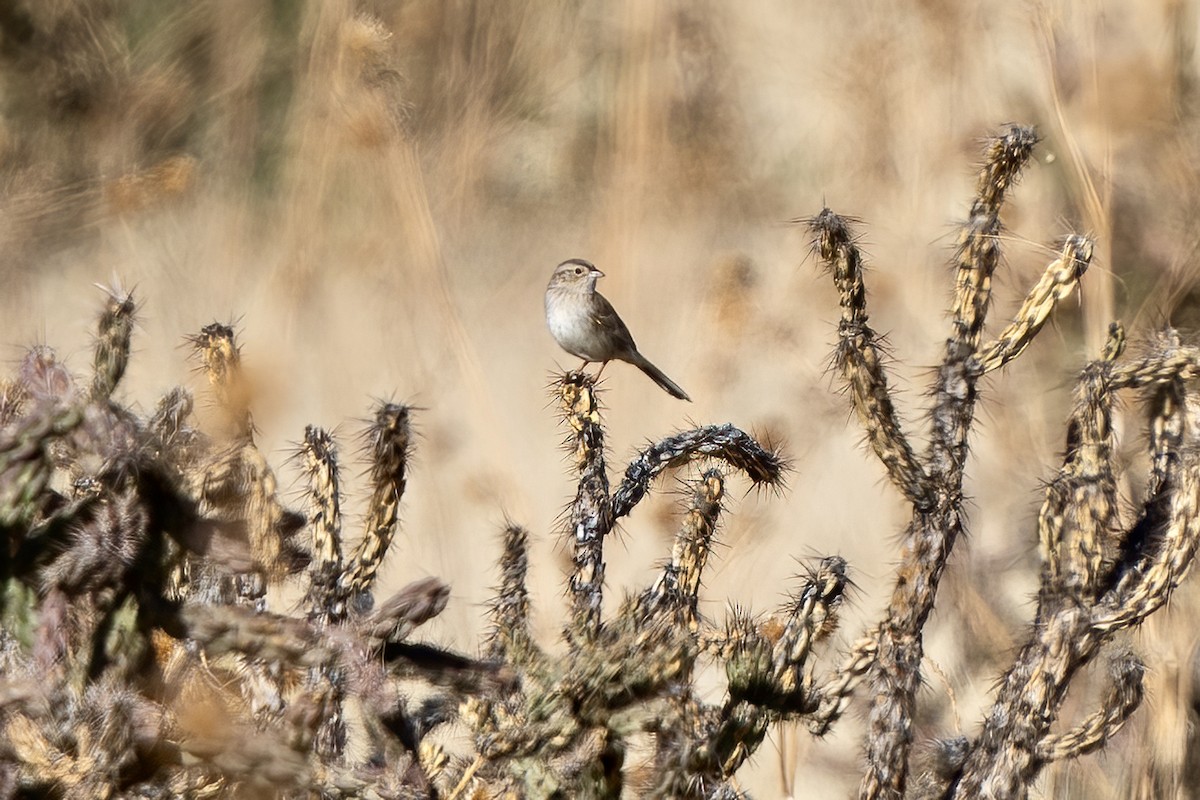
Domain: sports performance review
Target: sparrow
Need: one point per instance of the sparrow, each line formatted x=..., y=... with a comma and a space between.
x=586, y=325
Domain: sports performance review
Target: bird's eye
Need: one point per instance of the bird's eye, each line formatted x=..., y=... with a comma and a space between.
x=579, y=270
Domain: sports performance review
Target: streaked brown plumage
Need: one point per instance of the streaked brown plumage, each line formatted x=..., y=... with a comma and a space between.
x=586, y=325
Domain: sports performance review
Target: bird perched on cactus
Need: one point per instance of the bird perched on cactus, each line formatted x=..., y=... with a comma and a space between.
x=586, y=325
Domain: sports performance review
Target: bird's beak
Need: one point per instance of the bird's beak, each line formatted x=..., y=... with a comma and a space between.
x=595, y=273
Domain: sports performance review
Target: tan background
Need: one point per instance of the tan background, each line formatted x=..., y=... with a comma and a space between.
x=377, y=193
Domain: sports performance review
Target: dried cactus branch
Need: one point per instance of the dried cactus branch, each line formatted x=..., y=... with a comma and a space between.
x=25, y=465
x=1057, y=282
x=931, y=536
x=1074, y=619
x=112, y=343
x=1004, y=756
x=235, y=629
x=767, y=663
x=389, y=439
x=677, y=588
x=769, y=667
x=860, y=359
x=319, y=457
x=1079, y=515
x=1123, y=698
x=406, y=610
x=1168, y=424
x=1174, y=364
x=697, y=769
x=216, y=345
x=629, y=663
x=735, y=447
x=812, y=617
x=170, y=425
x=235, y=486
x=591, y=515
x=766, y=667
x=835, y=692
x=511, y=634
x=979, y=248
x=1015, y=742
x=1170, y=524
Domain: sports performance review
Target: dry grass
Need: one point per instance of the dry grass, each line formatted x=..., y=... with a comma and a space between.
x=376, y=193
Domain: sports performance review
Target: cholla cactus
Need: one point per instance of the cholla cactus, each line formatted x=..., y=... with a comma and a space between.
x=140, y=593
x=139, y=656
x=568, y=729
x=1097, y=578
x=139, y=599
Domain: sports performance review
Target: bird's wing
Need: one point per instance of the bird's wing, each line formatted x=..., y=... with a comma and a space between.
x=606, y=319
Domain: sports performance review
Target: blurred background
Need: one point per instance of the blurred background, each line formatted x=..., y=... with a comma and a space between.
x=376, y=192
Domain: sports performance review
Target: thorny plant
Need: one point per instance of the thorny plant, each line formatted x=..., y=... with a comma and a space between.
x=1100, y=575
x=140, y=658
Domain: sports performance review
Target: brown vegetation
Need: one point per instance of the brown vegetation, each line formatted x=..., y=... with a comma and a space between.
x=377, y=191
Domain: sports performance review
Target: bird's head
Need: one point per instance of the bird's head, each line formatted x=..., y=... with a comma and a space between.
x=575, y=274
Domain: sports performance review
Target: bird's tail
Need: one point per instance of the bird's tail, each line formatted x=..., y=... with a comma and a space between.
x=658, y=376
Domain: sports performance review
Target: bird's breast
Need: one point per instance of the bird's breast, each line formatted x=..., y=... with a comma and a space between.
x=571, y=325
